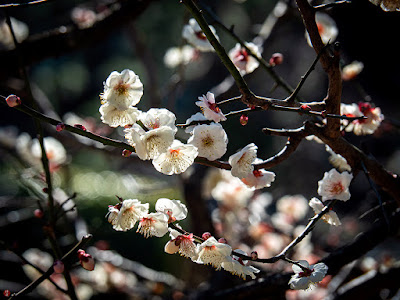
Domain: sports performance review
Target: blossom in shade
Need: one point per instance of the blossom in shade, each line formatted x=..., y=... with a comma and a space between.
x=373, y=119
x=351, y=71
x=335, y=185
x=232, y=192
x=149, y=144
x=214, y=253
x=122, y=90
x=210, y=109
x=387, y=5
x=244, y=61
x=238, y=266
x=174, y=209
x=338, y=161
x=293, y=206
x=153, y=224
x=330, y=217
x=155, y=118
x=114, y=117
x=176, y=159
x=86, y=260
x=184, y=244
x=130, y=211
x=326, y=27
x=211, y=140
x=176, y=56
x=305, y=277
x=259, y=179
x=194, y=35
x=242, y=161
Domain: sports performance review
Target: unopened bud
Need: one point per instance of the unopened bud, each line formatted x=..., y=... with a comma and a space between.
x=13, y=100
x=126, y=153
x=58, y=267
x=60, y=127
x=222, y=240
x=38, y=213
x=276, y=59
x=206, y=235
x=171, y=247
x=305, y=107
x=6, y=293
x=243, y=119
x=45, y=190
x=80, y=127
x=254, y=255
x=86, y=260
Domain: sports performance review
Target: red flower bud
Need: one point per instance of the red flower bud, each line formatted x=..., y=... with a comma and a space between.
x=206, y=235
x=80, y=127
x=86, y=260
x=13, y=100
x=6, y=293
x=222, y=240
x=38, y=213
x=60, y=127
x=243, y=119
x=126, y=153
x=276, y=59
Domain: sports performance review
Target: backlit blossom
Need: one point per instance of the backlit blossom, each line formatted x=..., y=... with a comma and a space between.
x=194, y=35
x=338, y=161
x=83, y=17
x=335, y=185
x=330, y=217
x=211, y=140
x=114, y=117
x=184, y=244
x=362, y=126
x=149, y=144
x=259, y=179
x=122, y=90
x=174, y=209
x=245, y=62
x=176, y=56
x=303, y=279
x=176, y=159
x=214, y=253
x=157, y=117
x=242, y=161
x=326, y=27
x=130, y=211
x=238, y=266
x=153, y=224
x=55, y=151
x=387, y=5
x=210, y=109
x=351, y=71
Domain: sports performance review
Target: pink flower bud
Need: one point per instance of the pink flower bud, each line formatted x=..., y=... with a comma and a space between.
x=171, y=247
x=254, y=255
x=243, y=119
x=126, y=153
x=60, y=127
x=276, y=59
x=80, y=127
x=38, y=213
x=222, y=240
x=6, y=293
x=13, y=100
x=86, y=260
x=58, y=267
x=206, y=235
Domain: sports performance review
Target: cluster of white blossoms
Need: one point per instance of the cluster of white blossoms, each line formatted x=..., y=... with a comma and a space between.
x=369, y=125
x=206, y=250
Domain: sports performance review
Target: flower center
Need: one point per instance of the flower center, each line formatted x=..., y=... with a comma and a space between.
x=121, y=88
x=174, y=152
x=200, y=35
x=207, y=141
x=257, y=173
x=213, y=107
x=306, y=273
x=242, y=55
x=336, y=188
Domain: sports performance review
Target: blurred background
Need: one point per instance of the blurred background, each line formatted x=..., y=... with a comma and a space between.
x=69, y=48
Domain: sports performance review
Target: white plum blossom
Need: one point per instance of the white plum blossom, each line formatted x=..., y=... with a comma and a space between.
x=242, y=161
x=174, y=209
x=362, y=126
x=153, y=224
x=294, y=206
x=55, y=151
x=122, y=90
x=260, y=178
x=176, y=159
x=338, y=161
x=176, y=56
x=240, y=267
x=351, y=71
x=330, y=217
x=149, y=144
x=114, y=117
x=155, y=118
x=184, y=244
x=211, y=140
x=130, y=211
x=243, y=60
x=335, y=185
x=214, y=253
x=210, y=109
x=303, y=279
x=326, y=27
x=194, y=35
x=194, y=118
